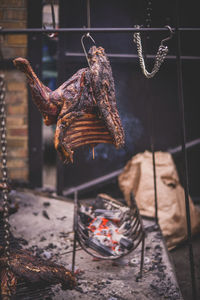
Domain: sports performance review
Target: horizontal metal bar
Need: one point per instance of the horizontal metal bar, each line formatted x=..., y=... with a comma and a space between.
x=92, y=183
x=119, y=55
x=187, y=146
x=85, y=30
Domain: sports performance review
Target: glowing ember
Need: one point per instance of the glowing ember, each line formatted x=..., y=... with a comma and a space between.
x=105, y=232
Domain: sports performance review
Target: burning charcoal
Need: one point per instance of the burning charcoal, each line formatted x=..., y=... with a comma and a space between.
x=95, y=223
x=97, y=246
x=118, y=250
x=114, y=215
x=126, y=243
x=104, y=240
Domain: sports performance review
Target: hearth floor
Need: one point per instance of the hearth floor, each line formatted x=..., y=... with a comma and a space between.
x=44, y=225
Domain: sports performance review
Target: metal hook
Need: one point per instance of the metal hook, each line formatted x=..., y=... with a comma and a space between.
x=52, y=35
x=83, y=46
x=169, y=37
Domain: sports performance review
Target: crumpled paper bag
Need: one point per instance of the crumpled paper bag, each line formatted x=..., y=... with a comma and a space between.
x=137, y=177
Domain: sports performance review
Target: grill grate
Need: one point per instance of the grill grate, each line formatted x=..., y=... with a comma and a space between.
x=130, y=216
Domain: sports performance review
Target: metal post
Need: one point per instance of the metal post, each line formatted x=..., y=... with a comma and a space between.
x=142, y=255
x=184, y=155
x=154, y=180
x=88, y=14
x=75, y=228
x=34, y=116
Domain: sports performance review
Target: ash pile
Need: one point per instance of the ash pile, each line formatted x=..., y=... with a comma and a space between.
x=108, y=228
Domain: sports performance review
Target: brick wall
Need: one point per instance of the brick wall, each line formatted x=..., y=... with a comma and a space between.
x=13, y=14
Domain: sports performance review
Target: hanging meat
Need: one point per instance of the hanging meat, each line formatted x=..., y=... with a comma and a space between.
x=24, y=267
x=84, y=107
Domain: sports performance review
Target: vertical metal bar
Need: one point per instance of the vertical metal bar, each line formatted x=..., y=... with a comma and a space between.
x=150, y=113
x=142, y=255
x=75, y=228
x=88, y=14
x=184, y=154
x=148, y=22
x=154, y=173
x=34, y=117
x=53, y=15
x=61, y=71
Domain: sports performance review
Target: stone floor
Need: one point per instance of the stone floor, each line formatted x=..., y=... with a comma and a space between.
x=44, y=225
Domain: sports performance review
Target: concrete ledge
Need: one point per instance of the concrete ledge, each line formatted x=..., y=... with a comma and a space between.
x=46, y=224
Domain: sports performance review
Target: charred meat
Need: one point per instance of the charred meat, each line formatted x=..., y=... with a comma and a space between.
x=84, y=107
x=24, y=267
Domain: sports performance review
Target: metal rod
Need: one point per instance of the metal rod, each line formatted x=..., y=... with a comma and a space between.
x=152, y=110
x=188, y=145
x=75, y=229
x=85, y=30
x=184, y=154
x=53, y=15
x=88, y=14
x=124, y=55
x=142, y=255
x=119, y=55
x=155, y=183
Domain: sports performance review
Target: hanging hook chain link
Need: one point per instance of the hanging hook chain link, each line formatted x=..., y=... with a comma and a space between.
x=160, y=56
x=5, y=178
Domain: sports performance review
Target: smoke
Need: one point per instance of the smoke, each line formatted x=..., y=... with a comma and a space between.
x=133, y=131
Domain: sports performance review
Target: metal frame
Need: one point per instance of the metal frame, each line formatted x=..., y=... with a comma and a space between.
x=180, y=97
x=100, y=30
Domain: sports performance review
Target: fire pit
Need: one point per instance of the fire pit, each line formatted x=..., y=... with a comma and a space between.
x=107, y=229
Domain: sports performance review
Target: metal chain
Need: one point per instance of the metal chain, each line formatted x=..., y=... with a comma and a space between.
x=160, y=56
x=5, y=177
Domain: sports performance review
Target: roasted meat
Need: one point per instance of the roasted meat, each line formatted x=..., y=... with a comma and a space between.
x=25, y=267
x=84, y=107
x=4, y=279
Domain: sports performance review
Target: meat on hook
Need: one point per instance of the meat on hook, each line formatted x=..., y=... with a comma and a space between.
x=84, y=107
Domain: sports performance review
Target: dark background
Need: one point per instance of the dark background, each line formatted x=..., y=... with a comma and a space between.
x=142, y=103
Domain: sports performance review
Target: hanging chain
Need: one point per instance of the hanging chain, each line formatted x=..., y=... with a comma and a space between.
x=5, y=177
x=162, y=50
x=160, y=56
